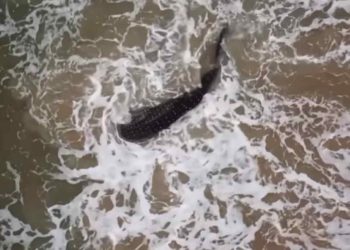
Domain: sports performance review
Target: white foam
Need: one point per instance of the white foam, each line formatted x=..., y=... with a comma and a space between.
x=123, y=167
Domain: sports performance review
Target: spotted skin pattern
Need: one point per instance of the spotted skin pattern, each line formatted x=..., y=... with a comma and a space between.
x=148, y=122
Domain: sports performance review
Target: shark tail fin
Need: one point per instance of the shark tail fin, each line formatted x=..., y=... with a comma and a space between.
x=208, y=78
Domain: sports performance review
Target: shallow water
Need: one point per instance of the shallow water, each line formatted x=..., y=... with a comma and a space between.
x=262, y=163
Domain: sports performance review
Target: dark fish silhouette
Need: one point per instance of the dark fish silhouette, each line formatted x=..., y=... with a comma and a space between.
x=148, y=122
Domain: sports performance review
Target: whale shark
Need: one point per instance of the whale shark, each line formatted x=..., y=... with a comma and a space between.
x=147, y=122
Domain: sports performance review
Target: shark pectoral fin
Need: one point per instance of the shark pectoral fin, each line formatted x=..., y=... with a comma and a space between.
x=138, y=114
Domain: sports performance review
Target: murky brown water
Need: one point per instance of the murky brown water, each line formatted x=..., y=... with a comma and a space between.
x=264, y=163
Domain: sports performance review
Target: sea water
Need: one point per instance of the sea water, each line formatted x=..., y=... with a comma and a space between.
x=262, y=163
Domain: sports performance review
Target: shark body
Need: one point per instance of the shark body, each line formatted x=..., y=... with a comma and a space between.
x=148, y=122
